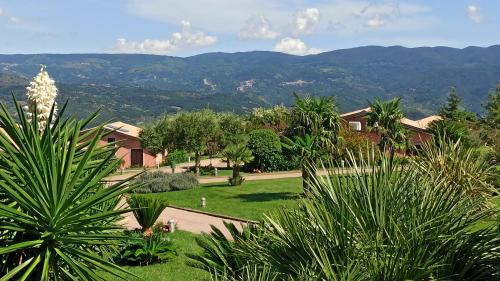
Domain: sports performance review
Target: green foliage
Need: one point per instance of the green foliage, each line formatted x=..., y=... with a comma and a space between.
x=140, y=249
x=158, y=181
x=152, y=139
x=385, y=118
x=232, y=129
x=450, y=131
x=146, y=210
x=220, y=256
x=457, y=166
x=192, y=131
x=58, y=221
x=316, y=123
x=352, y=144
x=493, y=108
x=265, y=146
x=234, y=181
x=237, y=154
x=451, y=110
x=377, y=224
x=276, y=119
x=317, y=117
x=176, y=156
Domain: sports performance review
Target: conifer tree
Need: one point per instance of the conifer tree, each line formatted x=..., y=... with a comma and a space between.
x=451, y=110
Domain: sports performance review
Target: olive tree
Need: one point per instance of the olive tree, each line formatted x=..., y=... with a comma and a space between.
x=192, y=131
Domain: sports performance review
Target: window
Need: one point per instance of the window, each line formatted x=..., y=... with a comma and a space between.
x=355, y=125
x=111, y=140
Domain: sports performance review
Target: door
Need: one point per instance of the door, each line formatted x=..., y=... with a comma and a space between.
x=136, y=158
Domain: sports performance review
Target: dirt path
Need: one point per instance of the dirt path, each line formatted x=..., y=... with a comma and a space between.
x=248, y=177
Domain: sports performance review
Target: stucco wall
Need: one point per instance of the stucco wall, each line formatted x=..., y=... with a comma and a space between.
x=125, y=146
x=416, y=136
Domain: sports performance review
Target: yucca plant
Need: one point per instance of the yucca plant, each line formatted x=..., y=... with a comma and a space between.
x=56, y=218
x=458, y=166
x=225, y=257
x=376, y=224
x=146, y=210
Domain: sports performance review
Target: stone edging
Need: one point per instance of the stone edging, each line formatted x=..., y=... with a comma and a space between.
x=213, y=215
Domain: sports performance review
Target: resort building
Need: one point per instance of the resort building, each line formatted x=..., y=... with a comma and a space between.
x=129, y=146
x=417, y=128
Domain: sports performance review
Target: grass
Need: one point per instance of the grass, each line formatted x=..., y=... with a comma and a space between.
x=250, y=200
x=176, y=269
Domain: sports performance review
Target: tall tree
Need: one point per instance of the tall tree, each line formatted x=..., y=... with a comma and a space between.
x=152, y=137
x=232, y=130
x=192, y=131
x=317, y=124
x=385, y=118
x=493, y=108
x=451, y=109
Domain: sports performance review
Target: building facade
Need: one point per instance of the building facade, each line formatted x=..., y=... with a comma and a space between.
x=417, y=129
x=129, y=146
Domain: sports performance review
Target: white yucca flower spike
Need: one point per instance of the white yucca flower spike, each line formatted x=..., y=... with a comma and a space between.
x=41, y=94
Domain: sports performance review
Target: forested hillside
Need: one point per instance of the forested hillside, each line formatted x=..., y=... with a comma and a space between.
x=137, y=87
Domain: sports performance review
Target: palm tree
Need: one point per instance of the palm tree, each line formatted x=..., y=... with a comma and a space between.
x=317, y=124
x=309, y=149
x=385, y=118
x=237, y=154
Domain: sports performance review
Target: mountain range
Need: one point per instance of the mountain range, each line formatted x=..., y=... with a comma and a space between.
x=136, y=88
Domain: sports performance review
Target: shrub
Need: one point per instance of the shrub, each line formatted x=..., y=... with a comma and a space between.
x=157, y=181
x=182, y=181
x=266, y=149
x=146, y=210
x=146, y=250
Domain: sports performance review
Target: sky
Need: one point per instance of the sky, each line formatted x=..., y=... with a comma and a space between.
x=190, y=27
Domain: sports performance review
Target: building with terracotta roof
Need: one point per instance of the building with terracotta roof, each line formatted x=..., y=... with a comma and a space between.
x=418, y=128
x=129, y=146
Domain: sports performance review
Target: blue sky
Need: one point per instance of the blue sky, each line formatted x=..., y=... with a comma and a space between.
x=188, y=27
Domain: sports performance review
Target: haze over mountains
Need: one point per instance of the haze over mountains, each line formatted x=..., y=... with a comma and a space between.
x=136, y=88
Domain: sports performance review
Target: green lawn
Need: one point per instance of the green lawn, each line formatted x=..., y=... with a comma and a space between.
x=176, y=269
x=249, y=201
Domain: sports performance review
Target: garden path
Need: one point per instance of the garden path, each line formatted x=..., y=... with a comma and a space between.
x=194, y=222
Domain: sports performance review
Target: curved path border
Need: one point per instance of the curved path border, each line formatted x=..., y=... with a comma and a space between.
x=193, y=221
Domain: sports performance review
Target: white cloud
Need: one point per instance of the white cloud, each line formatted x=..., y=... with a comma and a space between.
x=380, y=17
x=305, y=21
x=178, y=41
x=294, y=46
x=474, y=13
x=11, y=18
x=375, y=22
x=14, y=19
x=257, y=27
x=230, y=16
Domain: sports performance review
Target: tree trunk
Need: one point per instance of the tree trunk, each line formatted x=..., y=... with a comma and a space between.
x=236, y=171
x=197, y=163
x=305, y=180
x=228, y=163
